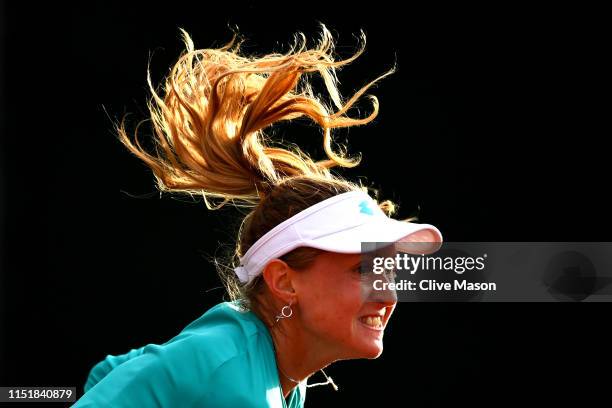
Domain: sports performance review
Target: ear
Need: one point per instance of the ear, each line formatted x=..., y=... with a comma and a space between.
x=278, y=278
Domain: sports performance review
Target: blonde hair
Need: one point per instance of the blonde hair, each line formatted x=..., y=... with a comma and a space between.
x=209, y=124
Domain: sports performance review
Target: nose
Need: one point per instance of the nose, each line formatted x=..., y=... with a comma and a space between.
x=382, y=291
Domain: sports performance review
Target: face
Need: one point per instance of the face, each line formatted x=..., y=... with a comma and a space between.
x=333, y=310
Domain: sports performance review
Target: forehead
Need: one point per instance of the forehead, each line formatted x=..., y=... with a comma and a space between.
x=339, y=259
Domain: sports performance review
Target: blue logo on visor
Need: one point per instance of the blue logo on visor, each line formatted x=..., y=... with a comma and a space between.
x=365, y=208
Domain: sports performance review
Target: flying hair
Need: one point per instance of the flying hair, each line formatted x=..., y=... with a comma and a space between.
x=210, y=117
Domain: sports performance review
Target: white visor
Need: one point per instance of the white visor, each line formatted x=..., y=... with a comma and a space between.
x=338, y=224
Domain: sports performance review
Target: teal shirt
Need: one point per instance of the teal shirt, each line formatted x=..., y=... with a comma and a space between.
x=223, y=359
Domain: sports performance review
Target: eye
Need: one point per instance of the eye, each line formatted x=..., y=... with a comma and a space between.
x=360, y=270
x=389, y=273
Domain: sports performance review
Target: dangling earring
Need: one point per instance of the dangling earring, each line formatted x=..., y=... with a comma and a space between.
x=286, y=312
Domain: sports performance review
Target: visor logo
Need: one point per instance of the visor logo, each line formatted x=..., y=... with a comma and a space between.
x=365, y=208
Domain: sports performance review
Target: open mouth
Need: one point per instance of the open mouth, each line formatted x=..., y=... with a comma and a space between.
x=372, y=321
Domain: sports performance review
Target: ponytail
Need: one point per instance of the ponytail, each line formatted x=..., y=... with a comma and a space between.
x=210, y=117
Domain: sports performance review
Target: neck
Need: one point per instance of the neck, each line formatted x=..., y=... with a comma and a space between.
x=297, y=356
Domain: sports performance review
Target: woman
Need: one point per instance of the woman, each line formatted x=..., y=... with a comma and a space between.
x=295, y=282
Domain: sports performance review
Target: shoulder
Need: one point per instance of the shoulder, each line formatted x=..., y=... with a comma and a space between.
x=223, y=336
x=223, y=332
x=216, y=348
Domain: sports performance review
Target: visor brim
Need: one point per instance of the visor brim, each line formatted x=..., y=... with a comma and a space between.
x=408, y=237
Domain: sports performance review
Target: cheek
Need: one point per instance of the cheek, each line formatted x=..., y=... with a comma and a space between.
x=331, y=307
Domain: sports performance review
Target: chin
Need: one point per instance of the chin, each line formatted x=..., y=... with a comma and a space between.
x=372, y=351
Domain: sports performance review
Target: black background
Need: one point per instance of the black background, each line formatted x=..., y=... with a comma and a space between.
x=494, y=128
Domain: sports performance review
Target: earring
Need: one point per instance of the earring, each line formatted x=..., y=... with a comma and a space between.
x=286, y=312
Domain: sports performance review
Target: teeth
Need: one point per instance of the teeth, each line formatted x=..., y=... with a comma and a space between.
x=374, y=321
